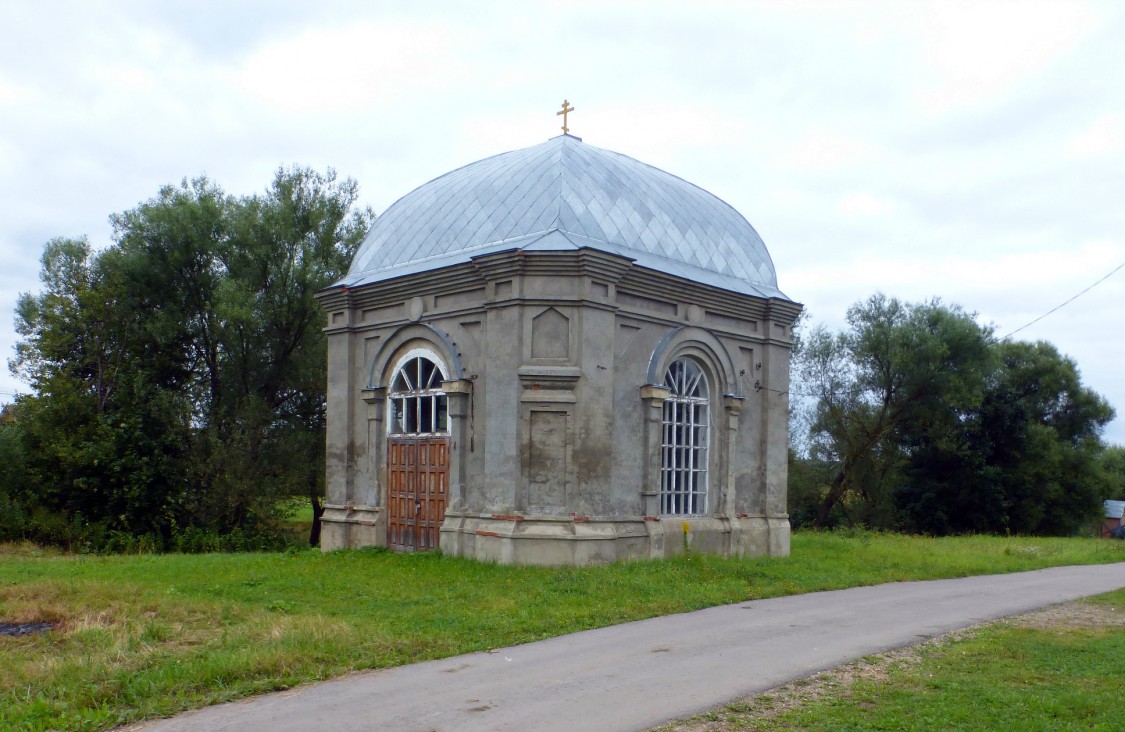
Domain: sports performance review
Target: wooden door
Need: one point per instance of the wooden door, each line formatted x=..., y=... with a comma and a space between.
x=417, y=491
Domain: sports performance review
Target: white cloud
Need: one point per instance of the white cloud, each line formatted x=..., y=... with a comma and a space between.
x=826, y=150
x=13, y=93
x=128, y=79
x=978, y=51
x=866, y=205
x=353, y=67
x=1105, y=137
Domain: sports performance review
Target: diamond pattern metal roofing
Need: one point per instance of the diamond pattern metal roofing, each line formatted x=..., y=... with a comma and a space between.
x=565, y=194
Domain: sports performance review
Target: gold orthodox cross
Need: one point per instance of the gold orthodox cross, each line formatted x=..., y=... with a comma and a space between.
x=565, y=108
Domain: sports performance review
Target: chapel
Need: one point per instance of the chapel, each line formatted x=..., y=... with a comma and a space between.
x=558, y=355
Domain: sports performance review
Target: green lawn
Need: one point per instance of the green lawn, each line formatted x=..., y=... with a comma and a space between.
x=150, y=635
x=301, y=515
x=1060, y=673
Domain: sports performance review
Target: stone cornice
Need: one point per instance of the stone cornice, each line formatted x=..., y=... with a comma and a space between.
x=660, y=286
x=629, y=280
x=783, y=311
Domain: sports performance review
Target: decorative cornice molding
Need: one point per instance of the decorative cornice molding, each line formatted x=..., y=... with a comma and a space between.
x=746, y=312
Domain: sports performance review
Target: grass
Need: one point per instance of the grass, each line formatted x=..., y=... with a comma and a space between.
x=297, y=523
x=302, y=516
x=1061, y=671
x=152, y=635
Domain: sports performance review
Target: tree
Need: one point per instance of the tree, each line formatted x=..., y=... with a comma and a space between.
x=1112, y=463
x=898, y=368
x=100, y=440
x=179, y=375
x=297, y=239
x=234, y=281
x=1025, y=460
x=13, y=475
x=74, y=329
x=929, y=425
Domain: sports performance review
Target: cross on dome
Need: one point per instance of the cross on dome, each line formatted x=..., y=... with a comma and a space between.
x=565, y=109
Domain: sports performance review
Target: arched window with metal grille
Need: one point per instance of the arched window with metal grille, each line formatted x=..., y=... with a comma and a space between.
x=683, y=471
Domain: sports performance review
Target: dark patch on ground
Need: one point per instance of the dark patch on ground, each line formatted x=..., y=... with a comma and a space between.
x=23, y=628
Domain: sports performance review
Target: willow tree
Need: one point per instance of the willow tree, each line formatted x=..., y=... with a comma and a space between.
x=897, y=368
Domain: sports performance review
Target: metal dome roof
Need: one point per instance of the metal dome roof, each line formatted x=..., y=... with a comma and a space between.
x=564, y=194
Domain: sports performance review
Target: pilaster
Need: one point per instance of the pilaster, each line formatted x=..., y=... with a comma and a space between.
x=732, y=406
x=459, y=395
x=653, y=397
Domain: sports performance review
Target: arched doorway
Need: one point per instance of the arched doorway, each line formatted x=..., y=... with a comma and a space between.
x=417, y=453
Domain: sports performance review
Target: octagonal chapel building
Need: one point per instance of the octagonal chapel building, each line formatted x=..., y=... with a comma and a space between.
x=558, y=355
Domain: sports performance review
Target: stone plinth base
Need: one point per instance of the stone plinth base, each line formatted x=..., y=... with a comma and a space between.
x=352, y=527
x=575, y=540
x=579, y=540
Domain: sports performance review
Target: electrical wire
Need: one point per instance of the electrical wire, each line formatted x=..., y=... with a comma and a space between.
x=1062, y=305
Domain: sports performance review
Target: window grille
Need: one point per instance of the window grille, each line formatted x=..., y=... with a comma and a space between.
x=417, y=404
x=683, y=472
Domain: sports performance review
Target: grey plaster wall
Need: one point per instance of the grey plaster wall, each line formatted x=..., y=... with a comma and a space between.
x=556, y=464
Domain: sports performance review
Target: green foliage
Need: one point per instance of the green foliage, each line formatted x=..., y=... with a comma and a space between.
x=898, y=368
x=920, y=421
x=1025, y=460
x=179, y=374
x=145, y=636
x=1112, y=465
x=808, y=478
x=13, y=476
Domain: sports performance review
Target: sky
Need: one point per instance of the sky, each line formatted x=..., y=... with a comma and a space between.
x=972, y=151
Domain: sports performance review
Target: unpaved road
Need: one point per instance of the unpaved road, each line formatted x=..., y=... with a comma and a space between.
x=638, y=675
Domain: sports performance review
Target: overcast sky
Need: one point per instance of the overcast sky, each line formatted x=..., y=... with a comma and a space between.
x=969, y=150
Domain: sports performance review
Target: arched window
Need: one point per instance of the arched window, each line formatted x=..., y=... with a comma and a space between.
x=683, y=471
x=417, y=404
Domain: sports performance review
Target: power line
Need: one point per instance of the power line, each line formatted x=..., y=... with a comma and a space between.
x=1062, y=305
